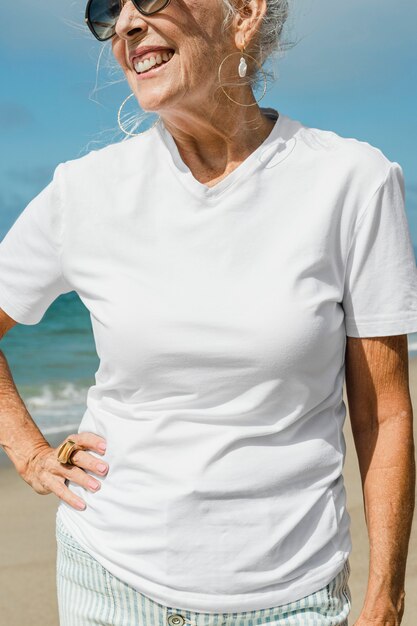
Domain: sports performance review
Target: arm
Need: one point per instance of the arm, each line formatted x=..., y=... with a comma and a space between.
x=33, y=457
x=19, y=435
x=382, y=425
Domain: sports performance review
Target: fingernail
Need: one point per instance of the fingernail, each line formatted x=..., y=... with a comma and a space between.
x=80, y=505
x=101, y=467
x=102, y=446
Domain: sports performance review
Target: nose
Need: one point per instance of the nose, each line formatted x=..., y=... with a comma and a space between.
x=130, y=20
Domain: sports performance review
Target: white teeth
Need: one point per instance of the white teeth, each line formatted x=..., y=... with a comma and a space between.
x=143, y=66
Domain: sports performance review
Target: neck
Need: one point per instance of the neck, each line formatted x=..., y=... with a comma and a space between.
x=213, y=142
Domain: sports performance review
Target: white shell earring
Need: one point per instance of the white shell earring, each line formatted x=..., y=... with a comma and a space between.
x=242, y=65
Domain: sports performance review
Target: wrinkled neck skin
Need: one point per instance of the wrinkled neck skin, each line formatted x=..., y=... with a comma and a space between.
x=214, y=139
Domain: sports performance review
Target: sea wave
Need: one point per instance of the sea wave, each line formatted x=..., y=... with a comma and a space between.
x=56, y=406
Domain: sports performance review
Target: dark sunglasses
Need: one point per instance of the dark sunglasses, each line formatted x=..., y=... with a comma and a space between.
x=101, y=15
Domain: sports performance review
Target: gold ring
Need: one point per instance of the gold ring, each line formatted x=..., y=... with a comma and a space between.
x=65, y=451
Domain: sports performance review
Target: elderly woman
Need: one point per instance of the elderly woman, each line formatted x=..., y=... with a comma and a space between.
x=234, y=261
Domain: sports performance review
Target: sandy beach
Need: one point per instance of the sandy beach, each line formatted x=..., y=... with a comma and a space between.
x=28, y=548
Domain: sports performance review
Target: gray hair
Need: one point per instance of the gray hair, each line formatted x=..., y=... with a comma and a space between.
x=268, y=40
x=269, y=34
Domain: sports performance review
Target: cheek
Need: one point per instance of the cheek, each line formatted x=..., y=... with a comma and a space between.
x=199, y=58
x=119, y=53
x=204, y=45
x=205, y=13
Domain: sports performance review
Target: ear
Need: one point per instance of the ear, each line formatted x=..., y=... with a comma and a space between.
x=248, y=19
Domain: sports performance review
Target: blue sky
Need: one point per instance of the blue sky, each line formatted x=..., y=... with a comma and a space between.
x=352, y=70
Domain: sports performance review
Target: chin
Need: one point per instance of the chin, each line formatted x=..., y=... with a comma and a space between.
x=152, y=98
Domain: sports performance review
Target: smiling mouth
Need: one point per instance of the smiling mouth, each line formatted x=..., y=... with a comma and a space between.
x=160, y=58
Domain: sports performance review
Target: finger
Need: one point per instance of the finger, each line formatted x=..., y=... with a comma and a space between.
x=88, y=441
x=79, y=476
x=87, y=461
x=59, y=488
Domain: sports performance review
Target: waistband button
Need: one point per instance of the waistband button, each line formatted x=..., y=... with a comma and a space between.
x=176, y=620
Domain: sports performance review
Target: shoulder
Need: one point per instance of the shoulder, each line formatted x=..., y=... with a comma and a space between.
x=108, y=163
x=344, y=173
x=338, y=155
x=91, y=185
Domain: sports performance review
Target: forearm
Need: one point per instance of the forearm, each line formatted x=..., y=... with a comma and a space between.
x=387, y=466
x=19, y=435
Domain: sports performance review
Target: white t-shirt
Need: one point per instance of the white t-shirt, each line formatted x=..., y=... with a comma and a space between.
x=220, y=318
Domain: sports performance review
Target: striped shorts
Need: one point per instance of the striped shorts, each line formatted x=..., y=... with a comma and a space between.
x=89, y=595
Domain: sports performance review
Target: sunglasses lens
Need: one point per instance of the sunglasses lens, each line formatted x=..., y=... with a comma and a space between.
x=150, y=6
x=102, y=15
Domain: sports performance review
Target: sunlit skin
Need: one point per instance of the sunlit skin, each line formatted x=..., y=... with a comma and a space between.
x=381, y=416
x=213, y=134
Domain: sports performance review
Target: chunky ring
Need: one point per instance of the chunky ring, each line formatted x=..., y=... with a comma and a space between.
x=65, y=451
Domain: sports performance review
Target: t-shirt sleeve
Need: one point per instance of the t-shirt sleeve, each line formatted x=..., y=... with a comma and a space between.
x=380, y=287
x=30, y=257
